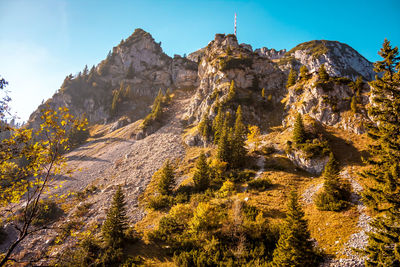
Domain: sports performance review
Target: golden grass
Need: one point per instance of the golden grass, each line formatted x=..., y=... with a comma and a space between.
x=331, y=229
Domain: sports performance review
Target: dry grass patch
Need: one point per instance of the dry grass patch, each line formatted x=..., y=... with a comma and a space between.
x=331, y=229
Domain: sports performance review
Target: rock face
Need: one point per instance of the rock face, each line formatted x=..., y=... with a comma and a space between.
x=270, y=53
x=224, y=61
x=340, y=59
x=138, y=63
x=312, y=165
x=328, y=103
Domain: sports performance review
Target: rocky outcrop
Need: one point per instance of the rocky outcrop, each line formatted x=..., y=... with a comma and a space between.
x=270, y=53
x=328, y=103
x=138, y=63
x=224, y=61
x=340, y=59
x=314, y=165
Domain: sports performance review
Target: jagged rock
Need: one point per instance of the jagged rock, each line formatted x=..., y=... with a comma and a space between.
x=328, y=104
x=197, y=55
x=340, y=59
x=270, y=53
x=247, y=47
x=150, y=69
x=119, y=124
x=249, y=71
x=314, y=165
x=193, y=140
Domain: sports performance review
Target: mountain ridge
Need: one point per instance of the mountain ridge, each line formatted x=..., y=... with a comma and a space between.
x=224, y=78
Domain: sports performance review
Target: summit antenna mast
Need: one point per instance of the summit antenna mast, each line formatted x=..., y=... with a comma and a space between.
x=235, y=24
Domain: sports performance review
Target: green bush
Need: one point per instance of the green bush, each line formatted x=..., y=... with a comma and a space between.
x=160, y=202
x=84, y=253
x=342, y=80
x=234, y=63
x=82, y=210
x=241, y=176
x=260, y=184
x=47, y=212
x=183, y=193
x=326, y=201
x=82, y=195
x=250, y=212
x=316, y=148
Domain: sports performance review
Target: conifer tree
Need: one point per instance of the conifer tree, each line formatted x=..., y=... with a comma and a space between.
x=291, y=78
x=323, y=75
x=204, y=126
x=299, y=133
x=85, y=71
x=218, y=124
x=230, y=119
x=201, y=177
x=115, y=101
x=232, y=91
x=335, y=193
x=116, y=221
x=357, y=85
x=167, y=179
x=92, y=73
x=238, y=144
x=294, y=246
x=224, y=148
x=303, y=73
x=383, y=194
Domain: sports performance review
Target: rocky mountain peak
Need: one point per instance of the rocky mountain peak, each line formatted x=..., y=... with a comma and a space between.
x=340, y=59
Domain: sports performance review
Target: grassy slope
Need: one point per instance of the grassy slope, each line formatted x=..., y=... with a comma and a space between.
x=330, y=229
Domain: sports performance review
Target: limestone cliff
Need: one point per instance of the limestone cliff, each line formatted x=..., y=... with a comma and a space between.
x=329, y=103
x=340, y=59
x=137, y=66
x=224, y=61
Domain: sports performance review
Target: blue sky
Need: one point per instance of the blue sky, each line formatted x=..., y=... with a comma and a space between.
x=43, y=41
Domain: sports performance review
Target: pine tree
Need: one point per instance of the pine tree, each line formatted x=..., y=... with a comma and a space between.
x=294, y=246
x=232, y=91
x=85, y=70
x=201, y=177
x=204, y=126
x=323, y=75
x=218, y=124
x=116, y=221
x=92, y=74
x=299, y=133
x=291, y=78
x=357, y=86
x=130, y=73
x=167, y=179
x=383, y=195
x=303, y=73
x=224, y=147
x=335, y=193
x=238, y=144
x=115, y=101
